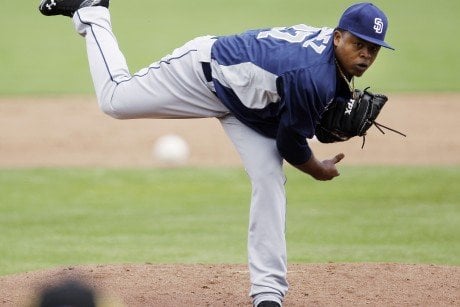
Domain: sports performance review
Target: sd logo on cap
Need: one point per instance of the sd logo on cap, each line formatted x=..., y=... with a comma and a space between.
x=367, y=22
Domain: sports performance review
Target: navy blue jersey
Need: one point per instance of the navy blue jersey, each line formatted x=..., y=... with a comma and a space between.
x=278, y=82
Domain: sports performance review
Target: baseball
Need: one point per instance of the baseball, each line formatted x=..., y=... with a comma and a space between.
x=171, y=149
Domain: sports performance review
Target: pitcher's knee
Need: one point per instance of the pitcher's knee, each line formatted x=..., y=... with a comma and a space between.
x=109, y=110
x=115, y=109
x=114, y=103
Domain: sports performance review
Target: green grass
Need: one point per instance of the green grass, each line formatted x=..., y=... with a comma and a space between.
x=379, y=214
x=40, y=55
x=51, y=217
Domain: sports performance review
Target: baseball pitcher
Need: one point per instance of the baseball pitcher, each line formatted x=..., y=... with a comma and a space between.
x=271, y=89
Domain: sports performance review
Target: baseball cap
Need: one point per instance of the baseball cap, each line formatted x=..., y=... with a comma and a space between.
x=367, y=22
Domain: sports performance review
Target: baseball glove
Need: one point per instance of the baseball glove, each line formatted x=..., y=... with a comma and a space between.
x=344, y=119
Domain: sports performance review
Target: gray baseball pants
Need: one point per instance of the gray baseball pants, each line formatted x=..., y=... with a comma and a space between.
x=176, y=87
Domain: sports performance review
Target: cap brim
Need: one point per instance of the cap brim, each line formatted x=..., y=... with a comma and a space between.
x=372, y=40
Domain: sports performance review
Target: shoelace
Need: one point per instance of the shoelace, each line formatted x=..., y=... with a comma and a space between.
x=380, y=126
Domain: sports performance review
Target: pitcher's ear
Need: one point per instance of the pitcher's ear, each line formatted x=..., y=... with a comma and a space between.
x=338, y=35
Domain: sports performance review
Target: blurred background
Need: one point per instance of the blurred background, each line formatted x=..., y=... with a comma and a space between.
x=43, y=56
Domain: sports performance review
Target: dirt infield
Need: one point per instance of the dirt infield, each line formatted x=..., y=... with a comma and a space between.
x=71, y=132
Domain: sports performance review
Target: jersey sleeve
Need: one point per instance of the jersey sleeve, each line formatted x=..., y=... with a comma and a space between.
x=304, y=95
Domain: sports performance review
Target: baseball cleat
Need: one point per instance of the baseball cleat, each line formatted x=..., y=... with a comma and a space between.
x=67, y=7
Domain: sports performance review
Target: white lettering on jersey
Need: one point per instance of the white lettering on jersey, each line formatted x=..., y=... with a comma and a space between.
x=301, y=34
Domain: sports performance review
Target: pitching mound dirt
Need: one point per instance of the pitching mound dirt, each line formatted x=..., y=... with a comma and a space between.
x=227, y=285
